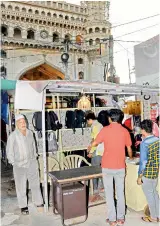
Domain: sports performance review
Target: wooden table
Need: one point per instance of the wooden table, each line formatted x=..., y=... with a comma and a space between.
x=74, y=175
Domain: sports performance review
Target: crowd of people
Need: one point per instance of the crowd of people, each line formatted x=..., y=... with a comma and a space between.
x=116, y=138
x=108, y=149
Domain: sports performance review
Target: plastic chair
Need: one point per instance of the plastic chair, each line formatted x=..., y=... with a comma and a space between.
x=74, y=161
x=52, y=163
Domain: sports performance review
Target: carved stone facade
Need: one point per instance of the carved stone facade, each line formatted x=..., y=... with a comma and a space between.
x=34, y=33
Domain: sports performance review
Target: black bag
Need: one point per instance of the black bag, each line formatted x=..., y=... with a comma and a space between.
x=75, y=119
x=70, y=119
x=103, y=118
x=71, y=102
x=98, y=102
x=37, y=121
x=54, y=123
x=51, y=121
x=80, y=119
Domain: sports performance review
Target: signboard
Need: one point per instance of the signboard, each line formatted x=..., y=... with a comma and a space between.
x=147, y=61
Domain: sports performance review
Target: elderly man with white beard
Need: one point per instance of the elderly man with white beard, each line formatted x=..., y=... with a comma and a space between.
x=21, y=153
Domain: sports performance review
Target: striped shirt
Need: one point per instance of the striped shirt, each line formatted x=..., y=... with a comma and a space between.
x=21, y=149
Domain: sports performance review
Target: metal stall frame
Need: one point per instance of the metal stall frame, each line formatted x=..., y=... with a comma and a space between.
x=86, y=87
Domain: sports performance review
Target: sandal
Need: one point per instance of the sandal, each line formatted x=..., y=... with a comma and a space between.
x=149, y=219
x=24, y=211
x=113, y=223
x=120, y=222
x=42, y=205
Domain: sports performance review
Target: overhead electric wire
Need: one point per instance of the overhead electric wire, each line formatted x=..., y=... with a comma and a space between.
x=134, y=21
x=137, y=30
x=123, y=47
x=103, y=39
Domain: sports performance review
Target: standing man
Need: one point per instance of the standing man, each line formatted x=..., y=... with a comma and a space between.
x=115, y=138
x=96, y=152
x=149, y=169
x=21, y=153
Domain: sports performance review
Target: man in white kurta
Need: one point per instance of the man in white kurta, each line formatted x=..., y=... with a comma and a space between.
x=21, y=153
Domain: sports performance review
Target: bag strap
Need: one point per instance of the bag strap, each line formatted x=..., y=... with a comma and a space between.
x=54, y=116
x=33, y=118
x=75, y=118
x=66, y=118
x=57, y=135
x=83, y=126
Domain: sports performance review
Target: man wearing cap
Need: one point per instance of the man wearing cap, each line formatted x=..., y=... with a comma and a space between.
x=21, y=153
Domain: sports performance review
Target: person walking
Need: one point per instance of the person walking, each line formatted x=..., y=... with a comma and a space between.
x=115, y=138
x=21, y=153
x=149, y=169
x=95, y=153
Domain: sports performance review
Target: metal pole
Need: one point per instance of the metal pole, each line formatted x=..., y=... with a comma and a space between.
x=111, y=57
x=66, y=71
x=66, y=64
x=75, y=74
x=94, y=104
x=129, y=70
x=60, y=154
x=44, y=155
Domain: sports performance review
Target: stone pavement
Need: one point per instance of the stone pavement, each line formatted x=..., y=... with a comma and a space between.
x=10, y=214
x=96, y=216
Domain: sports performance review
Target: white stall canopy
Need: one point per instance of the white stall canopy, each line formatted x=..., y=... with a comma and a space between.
x=27, y=98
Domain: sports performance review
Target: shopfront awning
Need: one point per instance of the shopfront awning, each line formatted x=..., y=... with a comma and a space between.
x=8, y=84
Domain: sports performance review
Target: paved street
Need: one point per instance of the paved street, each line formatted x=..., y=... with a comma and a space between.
x=96, y=217
x=11, y=215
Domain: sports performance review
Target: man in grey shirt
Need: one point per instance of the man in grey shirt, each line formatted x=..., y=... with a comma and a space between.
x=21, y=153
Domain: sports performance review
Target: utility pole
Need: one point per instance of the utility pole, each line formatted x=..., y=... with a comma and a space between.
x=111, y=57
x=66, y=64
x=104, y=59
x=129, y=68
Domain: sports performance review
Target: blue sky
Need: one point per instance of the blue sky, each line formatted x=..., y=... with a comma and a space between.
x=122, y=11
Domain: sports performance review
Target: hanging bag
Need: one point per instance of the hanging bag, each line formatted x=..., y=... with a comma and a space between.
x=51, y=142
x=80, y=121
x=70, y=120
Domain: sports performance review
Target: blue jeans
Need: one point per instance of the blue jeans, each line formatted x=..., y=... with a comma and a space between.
x=149, y=188
x=118, y=175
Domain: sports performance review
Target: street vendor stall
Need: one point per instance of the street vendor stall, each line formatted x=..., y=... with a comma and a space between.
x=35, y=100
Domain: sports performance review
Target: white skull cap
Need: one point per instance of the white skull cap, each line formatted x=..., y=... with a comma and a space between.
x=17, y=117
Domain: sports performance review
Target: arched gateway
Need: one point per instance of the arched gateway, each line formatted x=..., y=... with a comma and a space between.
x=42, y=72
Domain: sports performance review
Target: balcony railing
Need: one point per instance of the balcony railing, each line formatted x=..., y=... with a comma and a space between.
x=31, y=43
x=41, y=17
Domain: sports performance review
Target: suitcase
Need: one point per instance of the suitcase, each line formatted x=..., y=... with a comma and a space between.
x=69, y=200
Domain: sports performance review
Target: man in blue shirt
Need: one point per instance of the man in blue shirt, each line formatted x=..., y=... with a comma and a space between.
x=149, y=169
